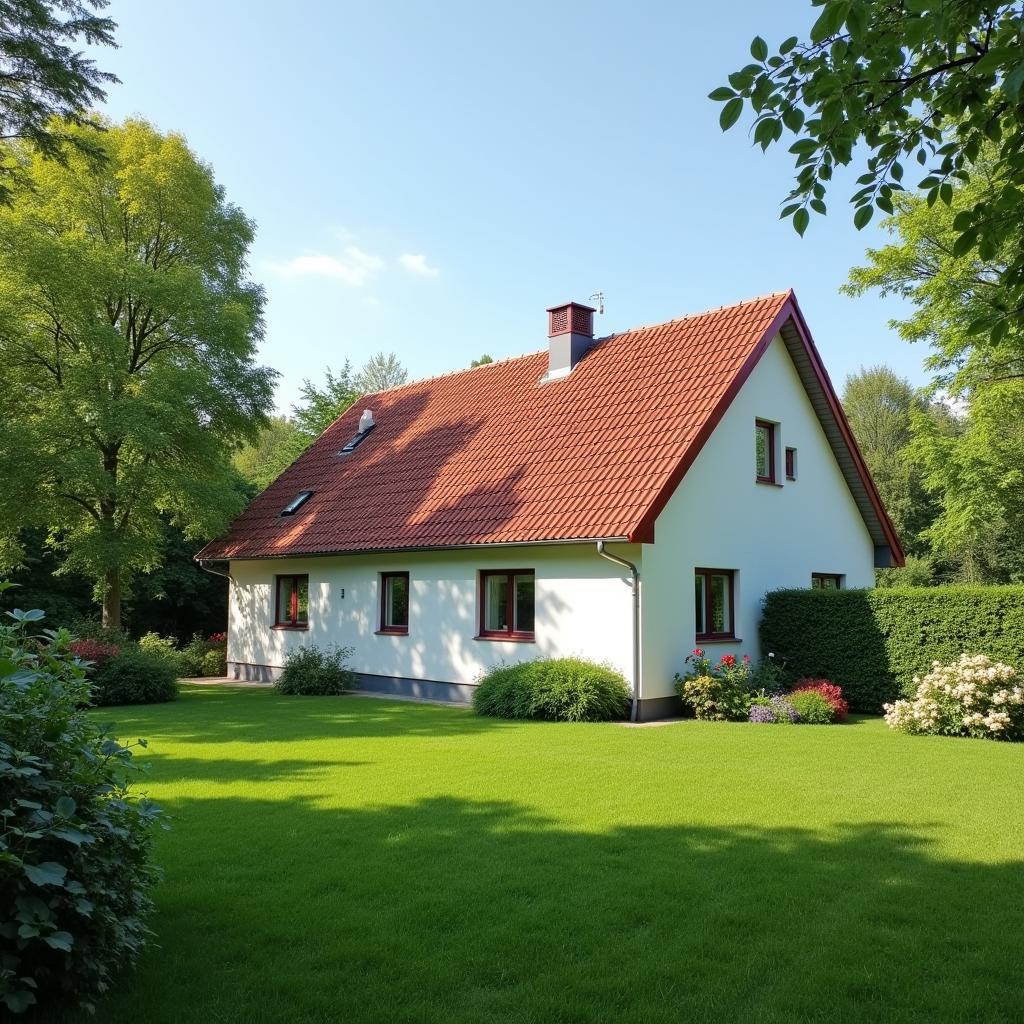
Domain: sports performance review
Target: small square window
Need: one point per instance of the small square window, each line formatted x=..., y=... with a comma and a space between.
x=507, y=604
x=714, y=604
x=394, y=602
x=790, y=463
x=826, y=581
x=764, y=452
x=292, y=602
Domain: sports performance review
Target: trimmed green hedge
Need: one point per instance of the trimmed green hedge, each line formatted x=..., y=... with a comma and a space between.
x=873, y=642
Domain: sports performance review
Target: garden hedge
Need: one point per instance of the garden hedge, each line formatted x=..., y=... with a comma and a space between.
x=873, y=642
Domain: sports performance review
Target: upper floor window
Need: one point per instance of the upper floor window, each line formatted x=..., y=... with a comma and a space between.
x=826, y=581
x=292, y=602
x=790, y=463
x=394, y=602
x=714, y=604
x=764, y=451
x=507, y=604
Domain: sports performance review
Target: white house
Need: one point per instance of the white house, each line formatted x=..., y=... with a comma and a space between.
x=625, y=499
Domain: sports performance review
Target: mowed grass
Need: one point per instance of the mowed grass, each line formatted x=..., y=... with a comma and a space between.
x=358, y=860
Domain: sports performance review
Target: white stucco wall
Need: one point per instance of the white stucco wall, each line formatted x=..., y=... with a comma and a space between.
x=582, y=607
x=772, y=536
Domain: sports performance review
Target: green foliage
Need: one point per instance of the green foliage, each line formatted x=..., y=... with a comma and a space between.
x=49, y=84
x=321, y=406
x=193, y=654
x=276, y=447
x=128, y=334
x=934, y=83
x=482, y=361
x=75, y=872
x=215, y=663
x=165, y=648
x=768, y=677
x=873, y=642
x=381, y=372
x=812, y=708
x=558, y=689
x=974, y=471
x=716, y=692
x=134, y=677
x=317, y=672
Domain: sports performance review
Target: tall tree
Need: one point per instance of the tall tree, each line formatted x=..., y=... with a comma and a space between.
x=976, y=473
x=382, y=371
x=881, y=407
x=128, y=333
x=320, y=406
x=46, y=86
x=890, y=81
x=276, y=446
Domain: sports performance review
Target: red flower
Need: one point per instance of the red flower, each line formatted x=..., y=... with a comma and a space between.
x=746, y=659
x=729, y=660
x=698, y=652
x=95, y=651
x=832, y=693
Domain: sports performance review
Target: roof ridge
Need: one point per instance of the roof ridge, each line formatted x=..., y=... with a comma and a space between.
x=603, y=337
x=706, y=312
x=450, y=373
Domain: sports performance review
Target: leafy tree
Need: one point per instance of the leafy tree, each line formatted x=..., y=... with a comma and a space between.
x=128, y=331
x=880, y=407
x=276, y=446
x=381, y=372
x=976, y=472
x=321, y=406
x=482, y=361
x=45, y=85
x=900, y=80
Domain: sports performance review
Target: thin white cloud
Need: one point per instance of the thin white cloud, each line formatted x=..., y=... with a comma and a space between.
x=355, y=267
x=416, y=263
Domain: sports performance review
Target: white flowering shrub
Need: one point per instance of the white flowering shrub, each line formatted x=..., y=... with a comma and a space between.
x=974, y=696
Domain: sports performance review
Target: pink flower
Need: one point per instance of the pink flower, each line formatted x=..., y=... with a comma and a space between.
x=746, y=659
x=729, y=660
x=698, y=652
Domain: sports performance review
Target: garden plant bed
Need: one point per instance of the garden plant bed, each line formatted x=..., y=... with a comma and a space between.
x=374, y=861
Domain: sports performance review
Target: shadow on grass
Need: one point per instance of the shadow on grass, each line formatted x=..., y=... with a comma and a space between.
x=463, y=911
x=225, y=715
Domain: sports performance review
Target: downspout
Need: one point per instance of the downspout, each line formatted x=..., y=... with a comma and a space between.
x=634, y=715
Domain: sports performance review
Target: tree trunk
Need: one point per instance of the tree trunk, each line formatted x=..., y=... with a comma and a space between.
x=112, y=599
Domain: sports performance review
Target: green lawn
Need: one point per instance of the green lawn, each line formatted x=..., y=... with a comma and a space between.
x=356, y=860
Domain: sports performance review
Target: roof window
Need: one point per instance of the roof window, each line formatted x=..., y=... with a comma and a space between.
x=296, y=503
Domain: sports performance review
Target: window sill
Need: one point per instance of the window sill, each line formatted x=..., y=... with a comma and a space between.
x=791, y=479
x=719, y=640
x=391, y=632
x=509, y=638
x=289, y=627
x=766, y=483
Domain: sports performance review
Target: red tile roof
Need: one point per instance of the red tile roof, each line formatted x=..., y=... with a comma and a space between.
x=493, y=456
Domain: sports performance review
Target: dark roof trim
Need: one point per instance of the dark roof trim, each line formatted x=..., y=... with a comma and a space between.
x=790, y=322
x=414, y=550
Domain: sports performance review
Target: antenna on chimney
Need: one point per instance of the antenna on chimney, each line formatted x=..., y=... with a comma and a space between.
x=598, y=297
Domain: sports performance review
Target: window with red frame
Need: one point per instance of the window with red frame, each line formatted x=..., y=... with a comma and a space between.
x=764, y=451
x=507, y=604
x=394, y=602
x=292, y=602
x=714, y=604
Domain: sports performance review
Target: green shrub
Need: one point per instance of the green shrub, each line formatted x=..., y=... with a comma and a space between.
x=558, y=689
x=75, y=871
x=873, y=642
x=134, y=677
x=215, y=662
x=192, y=655
x=317, y=672
x=716, y=692
x=165, y=648
x=812, y=707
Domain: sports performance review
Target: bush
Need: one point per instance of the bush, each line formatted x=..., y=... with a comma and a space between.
x=166, y=649
x=317, y=672
x=75, y=872
x=557, y=689
x=192, y=655
x=215, y=663
x=95, y=651
x=812, y=707
x=873, y=643
x=775, y=710
x=719, y=692
x=832, y=693
x=973, y=696
x=134, y=677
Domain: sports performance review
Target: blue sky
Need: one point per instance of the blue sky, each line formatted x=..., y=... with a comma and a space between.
x=427, y=178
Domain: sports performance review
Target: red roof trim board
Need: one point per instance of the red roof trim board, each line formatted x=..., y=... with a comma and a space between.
x=492, y=456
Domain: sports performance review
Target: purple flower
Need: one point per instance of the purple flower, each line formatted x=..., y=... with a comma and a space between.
x=783, y=710
x=762, y=714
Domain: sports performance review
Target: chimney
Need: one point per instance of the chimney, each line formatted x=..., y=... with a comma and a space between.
x=570, y=334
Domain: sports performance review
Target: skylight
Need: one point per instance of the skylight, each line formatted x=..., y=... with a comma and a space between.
x=296, y=503
x=357, y=440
